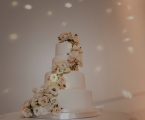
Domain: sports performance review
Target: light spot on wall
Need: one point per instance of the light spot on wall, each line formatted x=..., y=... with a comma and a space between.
x=119, y=3
x=6, y=91
x=13, y=36
x=127, y=94
x=130, y=17
x=129, y=7
x=49, y=13
x=124, y=30
x=108, y=10
x=130, y=49
x=126, y=39
x=98, y=68
x=99, y=47
x=28, y=7
x=68, y=5
x=14, y=3
x=63, y=23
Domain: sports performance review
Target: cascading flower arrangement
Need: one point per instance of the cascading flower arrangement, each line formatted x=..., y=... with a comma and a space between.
x=75, y=55
x=45, y=100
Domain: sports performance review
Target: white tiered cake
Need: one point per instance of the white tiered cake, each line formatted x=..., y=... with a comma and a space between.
x=64, y=87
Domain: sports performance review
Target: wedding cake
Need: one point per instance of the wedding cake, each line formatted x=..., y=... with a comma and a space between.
x=64, y=94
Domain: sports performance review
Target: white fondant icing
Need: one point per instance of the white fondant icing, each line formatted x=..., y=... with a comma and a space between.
x=75, y=99
x=75, y=80
x=62, y=48
x=59, y=57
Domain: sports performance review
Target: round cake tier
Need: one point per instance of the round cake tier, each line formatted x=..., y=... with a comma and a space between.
x=75, y=99
x=59, y=57
x=74, y=80
x=62, y=48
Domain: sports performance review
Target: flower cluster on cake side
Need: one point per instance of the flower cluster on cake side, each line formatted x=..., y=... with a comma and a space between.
x=45, y=100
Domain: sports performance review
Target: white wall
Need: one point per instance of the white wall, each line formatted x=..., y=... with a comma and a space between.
x=112, y=38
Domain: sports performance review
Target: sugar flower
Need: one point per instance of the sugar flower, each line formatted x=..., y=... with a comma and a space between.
x=54, y=77
x=53, y=100
x=56, y=111
x=26, y=112
x=54, y=90
x=61, y=80
x=37, y=110
x=43, y=101
x=27, y=103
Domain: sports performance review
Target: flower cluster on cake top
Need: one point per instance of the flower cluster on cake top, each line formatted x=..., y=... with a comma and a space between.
x=45, y=100
x=70, y=37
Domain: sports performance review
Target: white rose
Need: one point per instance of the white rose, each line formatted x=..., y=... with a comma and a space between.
x=51, y=83
x=45, y=86
x=27, y=103
x=37, y=110
x=56, y=111
x=51, y=106
x=34, y=102
x=63, y=37
x=40, y=94
x=76, y=39
x=75, y=47
x=71, y=59
x=48, y=96
x=34, y=90
x=54, y=77
x=62, y=80
x=62, y=65
x=43, y=101
x=70, y=36
x=26, y=112
x=74, y=53
x=53, y=100
x=80, y=64
x=59, y=70
x=79, y=58
x=43, y=110
x=54, y=90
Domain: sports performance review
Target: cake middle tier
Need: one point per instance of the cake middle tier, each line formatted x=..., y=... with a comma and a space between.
x=59, y=57
x=75, y=99
x=74, y=80
x=62, y=48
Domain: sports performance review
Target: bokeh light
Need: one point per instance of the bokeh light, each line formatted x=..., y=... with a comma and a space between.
x=119, y=3
x=68, y=5
x=63, y=23
x=98, y=68
x=6, y=90
x=129, y=7
x=28, y=7
x=49, y=13
x=124, y=30
x=130, y=17
x=109, y=10
x=126, y=39
x=130, y=49
x=14, y=3
x=13, y=36
x=127, y=94
x=99, y=47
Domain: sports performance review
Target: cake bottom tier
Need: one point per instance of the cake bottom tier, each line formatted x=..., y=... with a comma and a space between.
x=77, y=115
x=71, y=99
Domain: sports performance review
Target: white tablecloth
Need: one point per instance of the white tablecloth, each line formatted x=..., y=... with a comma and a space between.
x=105, y=115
